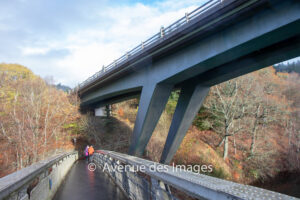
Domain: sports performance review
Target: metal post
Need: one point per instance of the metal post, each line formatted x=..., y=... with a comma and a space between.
x=187, y=17
x=142, y=45
x=159, y=190
x=162, y=32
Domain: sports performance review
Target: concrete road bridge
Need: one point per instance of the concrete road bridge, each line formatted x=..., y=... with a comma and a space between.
x=215, y=43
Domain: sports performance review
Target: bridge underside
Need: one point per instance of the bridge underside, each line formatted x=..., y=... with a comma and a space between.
x=226, y=50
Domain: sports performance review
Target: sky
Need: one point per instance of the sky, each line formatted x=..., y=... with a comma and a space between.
x=70, y=40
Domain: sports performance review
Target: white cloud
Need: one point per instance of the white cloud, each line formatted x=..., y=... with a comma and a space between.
x=114, y=31
x=130, y=25
x=34, y=51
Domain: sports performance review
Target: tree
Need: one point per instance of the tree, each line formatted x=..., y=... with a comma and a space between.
x=32, y=117
x=227, y=110
x=247, y=104
x=266, y=104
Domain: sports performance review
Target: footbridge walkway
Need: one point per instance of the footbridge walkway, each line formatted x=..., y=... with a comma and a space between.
x=113, y=175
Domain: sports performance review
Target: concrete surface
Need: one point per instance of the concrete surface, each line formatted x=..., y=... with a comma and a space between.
x=81, y=183
x=39, y=181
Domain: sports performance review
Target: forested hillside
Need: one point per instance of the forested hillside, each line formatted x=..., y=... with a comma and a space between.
x=289, y=67
x=252, y=122
x=35, y=118
x=248, y=128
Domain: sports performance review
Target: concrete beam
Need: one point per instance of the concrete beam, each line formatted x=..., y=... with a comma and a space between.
x=152, y=103
x=224, y=43
x=189, y=103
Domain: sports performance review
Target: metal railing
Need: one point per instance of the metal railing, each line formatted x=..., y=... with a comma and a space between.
x=20, y=184
x=154, y=39
x=153, y=183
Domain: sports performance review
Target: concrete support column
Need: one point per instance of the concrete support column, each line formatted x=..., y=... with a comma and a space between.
x=108, y=110
x=189, y=102
x=152, y=103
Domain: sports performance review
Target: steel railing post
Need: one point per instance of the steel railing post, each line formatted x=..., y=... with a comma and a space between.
x=162, y=32
x=187, y=17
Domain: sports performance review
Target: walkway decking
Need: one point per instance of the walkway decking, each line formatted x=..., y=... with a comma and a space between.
x=81, y=183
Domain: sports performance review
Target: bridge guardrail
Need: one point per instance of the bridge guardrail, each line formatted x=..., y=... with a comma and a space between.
x=38, y=181
x=152, y=184
x=152, y=40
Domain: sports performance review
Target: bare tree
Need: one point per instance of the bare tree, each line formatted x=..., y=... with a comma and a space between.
x=227, y=109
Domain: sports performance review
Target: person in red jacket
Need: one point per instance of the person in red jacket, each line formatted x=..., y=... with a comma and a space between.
x=91, y=152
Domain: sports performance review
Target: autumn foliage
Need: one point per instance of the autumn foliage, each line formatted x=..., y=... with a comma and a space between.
x=252, y=122
x=248, y=127
x=34, y=118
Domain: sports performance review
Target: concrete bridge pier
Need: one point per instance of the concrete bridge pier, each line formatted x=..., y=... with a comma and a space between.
x=190, y=100
x=152, y=103
x=108, y=110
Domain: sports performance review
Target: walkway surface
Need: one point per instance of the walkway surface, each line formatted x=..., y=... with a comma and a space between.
x=81, y=183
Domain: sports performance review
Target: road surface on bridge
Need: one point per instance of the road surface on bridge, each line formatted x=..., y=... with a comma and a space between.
x=81, y=183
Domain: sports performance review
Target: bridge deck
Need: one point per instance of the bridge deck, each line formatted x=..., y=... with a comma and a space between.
x=81, y=183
